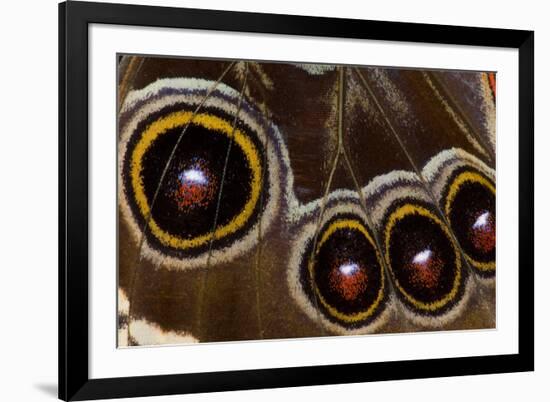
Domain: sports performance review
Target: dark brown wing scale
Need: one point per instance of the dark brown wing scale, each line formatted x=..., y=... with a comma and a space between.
x=277, y=200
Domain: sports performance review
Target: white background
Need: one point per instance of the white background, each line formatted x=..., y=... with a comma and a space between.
x=28, y=173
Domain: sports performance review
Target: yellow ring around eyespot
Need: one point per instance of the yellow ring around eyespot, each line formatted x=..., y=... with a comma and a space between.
x=462, y=178
x=216, y=125
x=354, y=225
x=396, y=216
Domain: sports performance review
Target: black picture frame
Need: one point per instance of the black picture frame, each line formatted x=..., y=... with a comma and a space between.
x=74, y=381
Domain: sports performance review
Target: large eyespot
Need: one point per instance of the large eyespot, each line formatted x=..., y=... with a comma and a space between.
x=466, y=193
x=425, y=264
x=470, y=208
x=197, y=171
x=186, y=204
x=341, y=278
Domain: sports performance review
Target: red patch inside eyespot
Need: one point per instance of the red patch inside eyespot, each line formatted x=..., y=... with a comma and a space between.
x=425, y=269
x=348, y=279
x=483, y=232
x=195, y=186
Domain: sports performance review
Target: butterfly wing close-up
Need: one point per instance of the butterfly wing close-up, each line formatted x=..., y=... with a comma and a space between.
x=268, y=200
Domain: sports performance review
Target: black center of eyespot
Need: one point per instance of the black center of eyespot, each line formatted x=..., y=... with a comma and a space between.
x=187, y=200
x=471, y=213
x=421, y=256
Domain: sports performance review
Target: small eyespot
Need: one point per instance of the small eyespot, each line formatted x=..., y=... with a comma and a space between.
x=425, y=265
x=423, y=259
x=470, y=209
x=466, y=191
x=341, y=277
x=347, y=270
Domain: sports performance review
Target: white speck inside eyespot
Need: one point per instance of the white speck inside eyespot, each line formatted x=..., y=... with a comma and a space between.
x=348, y=269
x=482, y=220
x=193, y=176
x=422, y=257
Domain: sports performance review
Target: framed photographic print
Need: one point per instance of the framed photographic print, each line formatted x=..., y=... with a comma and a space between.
x=256, y=200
